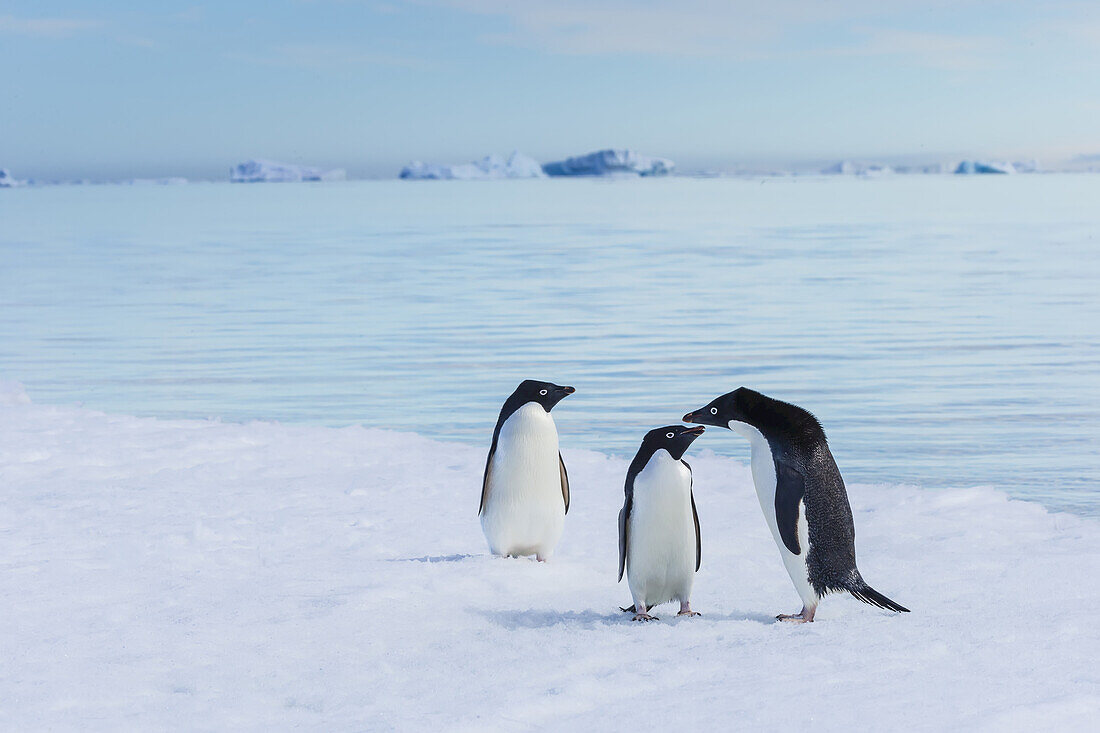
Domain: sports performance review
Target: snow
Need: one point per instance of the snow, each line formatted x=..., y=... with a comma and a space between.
x=610, y=162
x=970, y=167
x=175, y=574
x=517, y=165
x=268, y=171
x=7, y=181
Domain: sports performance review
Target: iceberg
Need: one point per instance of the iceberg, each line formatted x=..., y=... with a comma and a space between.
x=849, y=168
x=169, y=181
x=517, y=165
x=971, y=167
x=7, y=181
x=610, y=162
x=268, y=171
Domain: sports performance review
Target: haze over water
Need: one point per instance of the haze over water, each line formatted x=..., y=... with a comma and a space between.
x=946, y=330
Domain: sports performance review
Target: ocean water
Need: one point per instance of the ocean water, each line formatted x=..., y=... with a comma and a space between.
x=945, y=330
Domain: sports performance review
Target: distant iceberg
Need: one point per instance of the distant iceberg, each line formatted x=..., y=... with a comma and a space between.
x=7, y=181
x=169, y=181
x=970, y=167
x=268, y=171
x=610, y=162
x=517, y=165
x=849, y=168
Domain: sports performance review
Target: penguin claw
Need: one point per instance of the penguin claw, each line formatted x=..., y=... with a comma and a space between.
x=644, y=617
x=689, y=613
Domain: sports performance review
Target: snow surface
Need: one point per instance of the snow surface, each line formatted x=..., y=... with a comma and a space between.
x=199, y=575
x=517, y=165
x=969, y=167
x=7, y=180
x=268, y=171
x=610, y=162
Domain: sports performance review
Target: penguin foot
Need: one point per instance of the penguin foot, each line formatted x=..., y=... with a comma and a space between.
x=644, y=617
x=806, y=616
x=685, y=610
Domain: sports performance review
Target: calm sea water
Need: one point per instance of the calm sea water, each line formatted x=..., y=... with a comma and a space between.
x=945, y=330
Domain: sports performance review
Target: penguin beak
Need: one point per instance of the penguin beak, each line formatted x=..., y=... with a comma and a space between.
x=567, y=390
x=696, y=431
x=702, y=417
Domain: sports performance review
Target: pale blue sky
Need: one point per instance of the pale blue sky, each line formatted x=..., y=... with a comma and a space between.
x=135, y=88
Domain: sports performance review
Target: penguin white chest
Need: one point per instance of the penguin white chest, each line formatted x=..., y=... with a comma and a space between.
x=764, y=479
x=524, y=509
x=662, y=543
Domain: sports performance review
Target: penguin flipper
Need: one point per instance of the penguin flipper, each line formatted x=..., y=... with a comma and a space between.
x=695, y=516
x=564, y=481
x=485, y=479
x=790, y=488
x=624, y=526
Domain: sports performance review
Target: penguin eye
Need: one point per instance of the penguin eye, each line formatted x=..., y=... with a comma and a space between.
x=670, y=435
x=714, y=411
x=542, y=391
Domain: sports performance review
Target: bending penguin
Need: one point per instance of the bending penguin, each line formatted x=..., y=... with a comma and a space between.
x=659, y=545
x=525, y=490
x=802, y=495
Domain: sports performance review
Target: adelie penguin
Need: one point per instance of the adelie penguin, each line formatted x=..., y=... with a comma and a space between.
x=525, y=490
x=802, y=495
x=659, y=545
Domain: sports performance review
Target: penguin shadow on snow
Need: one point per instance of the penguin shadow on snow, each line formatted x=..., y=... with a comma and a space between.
x=704, y=616
x=542, y=619
x=434, y=558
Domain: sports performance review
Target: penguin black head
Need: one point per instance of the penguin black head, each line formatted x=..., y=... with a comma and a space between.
x=739, y=405
x=770, y=416
x=546, y=394
x=673, y=438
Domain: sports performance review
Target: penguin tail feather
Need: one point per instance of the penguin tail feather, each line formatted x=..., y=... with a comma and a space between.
x=867, y=594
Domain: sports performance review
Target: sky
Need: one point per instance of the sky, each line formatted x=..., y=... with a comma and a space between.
x=129, y=88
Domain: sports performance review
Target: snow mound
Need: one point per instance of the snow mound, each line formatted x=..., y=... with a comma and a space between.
x=12, y=393
x=517, y=165
x=268, y=171
x=610, y=162
x=7, y=181
x=181, y=574
x=972, y=167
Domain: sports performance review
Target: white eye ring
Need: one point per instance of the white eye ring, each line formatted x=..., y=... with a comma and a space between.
x=542, y=391
x=714, y=411
x=670, y=435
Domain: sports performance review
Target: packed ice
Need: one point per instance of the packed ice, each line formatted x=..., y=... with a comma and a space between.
x=167, y=574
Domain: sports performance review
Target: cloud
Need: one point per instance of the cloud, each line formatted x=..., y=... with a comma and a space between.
x=46, y=27
x=931, y=50
x=317, y=56
x=937, y=33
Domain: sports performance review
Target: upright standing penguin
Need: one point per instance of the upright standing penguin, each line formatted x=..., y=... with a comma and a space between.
x=802, y=495
x=659, y=545
x=525, y=490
